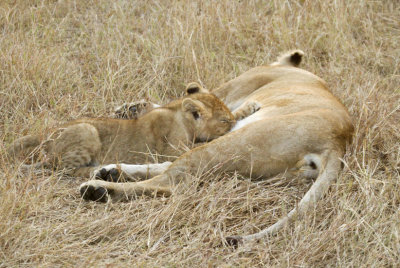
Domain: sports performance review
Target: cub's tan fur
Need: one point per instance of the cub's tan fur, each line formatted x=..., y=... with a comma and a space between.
x=79, y=145
x=301, y=127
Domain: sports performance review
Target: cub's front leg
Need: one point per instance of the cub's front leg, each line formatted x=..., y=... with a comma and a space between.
x=246, y=109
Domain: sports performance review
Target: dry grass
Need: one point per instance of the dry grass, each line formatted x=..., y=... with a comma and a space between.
x=67, y=59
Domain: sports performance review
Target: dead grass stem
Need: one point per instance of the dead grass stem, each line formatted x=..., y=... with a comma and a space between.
x=66, y=59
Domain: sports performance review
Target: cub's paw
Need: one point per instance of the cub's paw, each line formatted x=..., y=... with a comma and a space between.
x=246, y=110
x=108, y=173
x=134, y=110
x=94, y=191
x=253, y=107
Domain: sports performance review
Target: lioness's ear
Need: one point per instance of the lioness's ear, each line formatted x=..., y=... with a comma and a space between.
x=291, y=58
x=194, y=87
x=190, y=105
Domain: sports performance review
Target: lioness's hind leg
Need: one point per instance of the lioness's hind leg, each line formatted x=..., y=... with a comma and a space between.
x=246, y=109
x=306, y=169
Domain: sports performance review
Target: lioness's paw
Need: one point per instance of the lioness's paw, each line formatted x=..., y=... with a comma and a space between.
x=94, y=191
x=108, y=173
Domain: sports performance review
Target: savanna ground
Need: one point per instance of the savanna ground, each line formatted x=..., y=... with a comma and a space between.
x=61, y=60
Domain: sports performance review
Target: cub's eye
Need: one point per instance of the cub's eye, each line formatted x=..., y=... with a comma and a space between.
x=195, y=115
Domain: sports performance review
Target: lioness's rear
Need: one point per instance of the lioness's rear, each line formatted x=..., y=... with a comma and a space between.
x=301, y=128
x=306, y=128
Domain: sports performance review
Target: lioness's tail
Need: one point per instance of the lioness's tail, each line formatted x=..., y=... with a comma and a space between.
x=291, y=58
x=327, y=175
x=23, y=146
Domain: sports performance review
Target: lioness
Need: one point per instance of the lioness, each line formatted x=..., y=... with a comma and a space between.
x=80, y=145
x=301, y=128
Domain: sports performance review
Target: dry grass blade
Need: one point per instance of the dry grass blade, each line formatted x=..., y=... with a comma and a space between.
x=66, y=59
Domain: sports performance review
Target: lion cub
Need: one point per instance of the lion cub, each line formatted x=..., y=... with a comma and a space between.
x=133, y=110
x=81, y=145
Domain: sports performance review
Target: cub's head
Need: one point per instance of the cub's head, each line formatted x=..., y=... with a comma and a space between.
x=208, y=116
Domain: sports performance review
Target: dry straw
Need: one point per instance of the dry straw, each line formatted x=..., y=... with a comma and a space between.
x=67, y=59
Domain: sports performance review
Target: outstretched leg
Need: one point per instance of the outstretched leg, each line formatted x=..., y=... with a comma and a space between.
x=114, y=172
x=99, y=190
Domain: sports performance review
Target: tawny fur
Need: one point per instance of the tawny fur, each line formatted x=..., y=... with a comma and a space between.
x=79, y=145
x=301, y=127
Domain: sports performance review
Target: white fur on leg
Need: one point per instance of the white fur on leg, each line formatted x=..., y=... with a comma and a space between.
x=142, y=171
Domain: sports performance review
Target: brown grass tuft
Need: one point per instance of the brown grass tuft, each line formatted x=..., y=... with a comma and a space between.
x=65, y=59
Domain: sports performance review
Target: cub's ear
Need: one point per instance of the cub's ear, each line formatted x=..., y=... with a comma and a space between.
x=190, y=105
x=194, y=87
